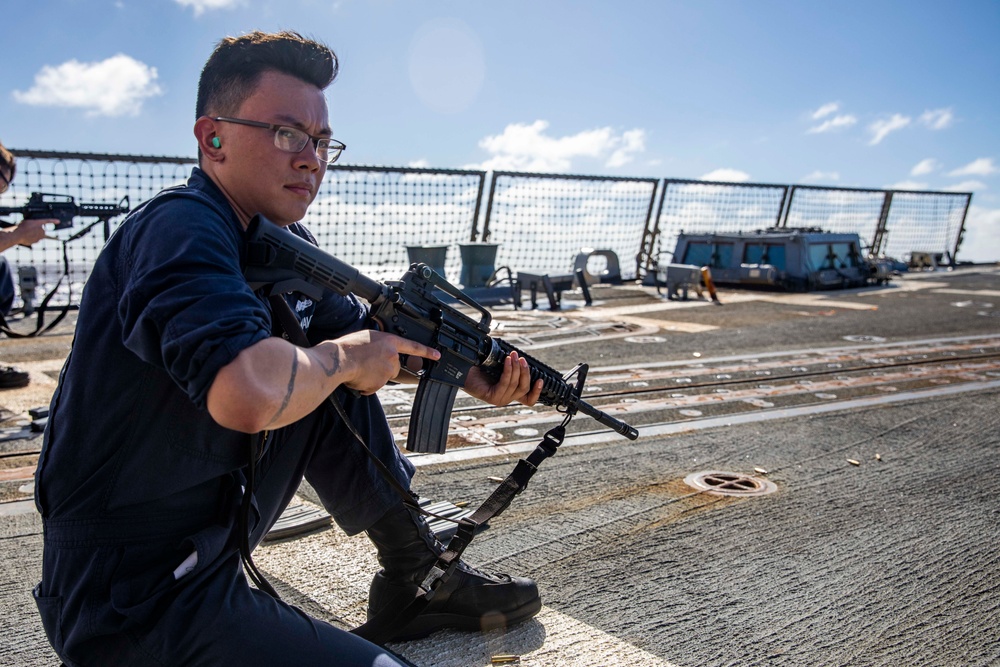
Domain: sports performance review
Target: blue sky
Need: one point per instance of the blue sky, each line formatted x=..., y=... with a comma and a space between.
x=877, y=93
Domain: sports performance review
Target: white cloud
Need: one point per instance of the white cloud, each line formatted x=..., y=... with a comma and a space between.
x=907, y=185
x=726, y=174
x=981, y=242
x=924, y=167
x=881, y=128
x=523, y=147
x=937, y=119
x=113, y=87
x=632, y=142
x=966, y=186
x=825, y=110
x=982, y=167
x=834, y=123
x=202, y=6
x=419, y=164
x=820, y=176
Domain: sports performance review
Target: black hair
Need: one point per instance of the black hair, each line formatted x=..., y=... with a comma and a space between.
x=234, y=68
x=8, y=162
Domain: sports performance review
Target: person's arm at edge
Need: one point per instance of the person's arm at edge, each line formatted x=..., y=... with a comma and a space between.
x=24, y=233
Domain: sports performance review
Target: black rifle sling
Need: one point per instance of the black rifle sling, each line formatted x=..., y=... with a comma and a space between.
x=383, y=625
x=293, y=331
x=41, y=327
x=257, y=441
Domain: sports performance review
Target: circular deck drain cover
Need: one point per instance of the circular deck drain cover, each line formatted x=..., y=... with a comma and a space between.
x=721, y=483
x=645, y=339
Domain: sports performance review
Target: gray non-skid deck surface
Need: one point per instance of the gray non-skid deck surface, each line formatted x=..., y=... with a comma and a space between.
x=890, y=562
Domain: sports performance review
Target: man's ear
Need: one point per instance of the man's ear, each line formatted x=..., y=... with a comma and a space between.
x=209, y=144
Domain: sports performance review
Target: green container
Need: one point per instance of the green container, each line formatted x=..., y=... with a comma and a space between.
x=478, y=263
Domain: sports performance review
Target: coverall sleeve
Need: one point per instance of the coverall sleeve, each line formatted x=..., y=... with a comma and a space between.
x=184, y=304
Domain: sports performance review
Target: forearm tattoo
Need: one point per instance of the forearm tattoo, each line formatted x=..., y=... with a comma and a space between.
x=330, y=371
x=334, y=365
x=291, y=388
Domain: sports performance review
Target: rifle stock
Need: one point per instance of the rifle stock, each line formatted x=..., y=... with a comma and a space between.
x=279, y=261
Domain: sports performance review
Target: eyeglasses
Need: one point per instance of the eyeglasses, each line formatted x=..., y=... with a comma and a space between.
x=7, y=178
x=293, y=140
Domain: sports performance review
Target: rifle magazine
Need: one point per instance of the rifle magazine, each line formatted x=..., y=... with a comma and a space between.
x=428, y=432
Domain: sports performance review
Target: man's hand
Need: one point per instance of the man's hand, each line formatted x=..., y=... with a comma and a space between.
x=371, y=358
x=514, y=384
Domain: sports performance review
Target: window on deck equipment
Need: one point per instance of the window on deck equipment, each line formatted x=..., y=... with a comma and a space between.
x=765, y=253
x=833, y=255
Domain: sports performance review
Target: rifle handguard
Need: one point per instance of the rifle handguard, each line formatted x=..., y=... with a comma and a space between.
x=555, y=390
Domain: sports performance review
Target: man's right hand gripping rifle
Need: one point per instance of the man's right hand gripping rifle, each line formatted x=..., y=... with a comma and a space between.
x=470, y=358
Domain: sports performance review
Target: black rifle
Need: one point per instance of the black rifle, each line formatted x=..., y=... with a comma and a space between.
x=278, y=261
x=63, y=208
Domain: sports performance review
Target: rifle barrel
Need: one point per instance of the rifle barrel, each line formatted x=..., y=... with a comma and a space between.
x=605, y=419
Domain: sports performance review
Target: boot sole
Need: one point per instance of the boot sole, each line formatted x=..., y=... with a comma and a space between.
x=426, y=624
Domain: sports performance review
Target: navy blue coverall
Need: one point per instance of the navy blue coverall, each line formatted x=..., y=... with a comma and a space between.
x=136, y=483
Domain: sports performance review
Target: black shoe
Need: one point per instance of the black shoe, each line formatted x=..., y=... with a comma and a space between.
x=469, y=600
x=12, y=378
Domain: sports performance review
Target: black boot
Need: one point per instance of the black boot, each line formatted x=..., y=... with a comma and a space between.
x=13, y=378
x=468, y=600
